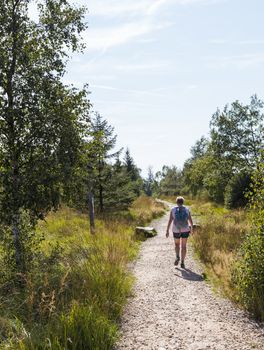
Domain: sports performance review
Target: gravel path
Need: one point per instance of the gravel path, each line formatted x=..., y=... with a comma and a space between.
x=175, y=309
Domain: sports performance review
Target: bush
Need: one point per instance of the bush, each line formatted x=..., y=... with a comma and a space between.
x=236, y=189
x=248, y=272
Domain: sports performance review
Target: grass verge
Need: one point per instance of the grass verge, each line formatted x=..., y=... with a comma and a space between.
x=216, y=244
x=74, y=294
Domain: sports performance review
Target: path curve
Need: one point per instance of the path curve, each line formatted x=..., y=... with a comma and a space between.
x=175, y=309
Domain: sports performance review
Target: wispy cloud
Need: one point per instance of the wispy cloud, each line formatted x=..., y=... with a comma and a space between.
x=136, y=19
x=105, y=38
x=128, y=91
x=113, y=8
x=146, y=66
x=131, y=7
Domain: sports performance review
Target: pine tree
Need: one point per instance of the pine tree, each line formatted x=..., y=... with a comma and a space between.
x=149, y=182
x=103, y=142
x=133, y=173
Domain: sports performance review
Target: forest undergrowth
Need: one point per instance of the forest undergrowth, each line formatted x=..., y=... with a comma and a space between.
x=78, y=284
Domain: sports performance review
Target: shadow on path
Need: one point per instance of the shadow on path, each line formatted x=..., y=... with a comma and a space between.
x=189, y=275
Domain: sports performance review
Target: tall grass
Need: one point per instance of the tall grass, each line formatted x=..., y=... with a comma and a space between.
x=78, y=285
x=217, y=242
x=145, y=209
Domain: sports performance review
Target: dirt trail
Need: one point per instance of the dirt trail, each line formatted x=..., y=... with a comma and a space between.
x=175, y=309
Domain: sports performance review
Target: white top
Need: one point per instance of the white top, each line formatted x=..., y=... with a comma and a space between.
x=176, y=229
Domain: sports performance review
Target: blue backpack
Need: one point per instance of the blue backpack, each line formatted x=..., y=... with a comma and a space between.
x=181, y=216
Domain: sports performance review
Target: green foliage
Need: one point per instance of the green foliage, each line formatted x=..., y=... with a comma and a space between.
x=83, y=328
x=74, y=293
x=236, y=189
x=219, y=166
x=150, y=183
x=119, y=189
x=103, y=142
x=237, y=133
x=28, y=245
x=170, y=181
x=134, y=173
x=248, y=272
x=38, y=112
x=200, y=148
x=114, y=184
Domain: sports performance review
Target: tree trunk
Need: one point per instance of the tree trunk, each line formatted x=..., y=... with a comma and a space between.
x=91, y=211
x=16, y=240
x=15, y=223
x=101, y=199
x=13, y=145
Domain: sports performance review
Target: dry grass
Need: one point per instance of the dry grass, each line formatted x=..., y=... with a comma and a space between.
x=216, y=244
x=144, y=209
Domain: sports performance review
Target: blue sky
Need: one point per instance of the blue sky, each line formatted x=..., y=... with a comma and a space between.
x=158, y=69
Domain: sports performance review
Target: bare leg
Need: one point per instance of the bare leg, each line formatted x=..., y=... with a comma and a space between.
x=177, y=247
x=183, y=248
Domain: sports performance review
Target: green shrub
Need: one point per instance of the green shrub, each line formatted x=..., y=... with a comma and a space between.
x=236, y=189
x=248, y=274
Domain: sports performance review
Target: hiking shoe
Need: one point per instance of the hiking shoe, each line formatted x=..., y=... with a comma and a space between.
x=176, y=262
x=182, y=265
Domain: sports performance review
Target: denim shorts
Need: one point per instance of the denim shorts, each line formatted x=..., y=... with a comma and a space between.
x=181, y=234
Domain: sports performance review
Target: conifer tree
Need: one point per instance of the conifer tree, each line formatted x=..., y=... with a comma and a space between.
x=102, y=143
x=133, y=173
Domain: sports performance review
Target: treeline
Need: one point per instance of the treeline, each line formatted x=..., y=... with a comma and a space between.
x=53, y=148
x=221, y=166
